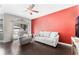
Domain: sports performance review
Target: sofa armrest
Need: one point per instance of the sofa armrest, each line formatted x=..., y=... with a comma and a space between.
x=56, y=40
x=57, y=36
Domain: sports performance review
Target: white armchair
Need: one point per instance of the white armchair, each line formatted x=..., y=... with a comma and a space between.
x=22, y=36
x=50, y=38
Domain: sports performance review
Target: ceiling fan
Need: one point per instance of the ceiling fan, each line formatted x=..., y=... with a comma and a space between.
x=31, y=9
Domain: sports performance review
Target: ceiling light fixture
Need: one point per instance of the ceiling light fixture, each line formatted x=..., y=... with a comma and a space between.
x=31, y=9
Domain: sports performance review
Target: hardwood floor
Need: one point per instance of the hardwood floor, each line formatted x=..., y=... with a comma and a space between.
x=34, y=48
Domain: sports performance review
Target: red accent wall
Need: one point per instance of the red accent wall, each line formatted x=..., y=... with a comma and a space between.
x=62, y=21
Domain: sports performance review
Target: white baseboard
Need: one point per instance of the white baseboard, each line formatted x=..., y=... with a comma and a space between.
x=65, y=44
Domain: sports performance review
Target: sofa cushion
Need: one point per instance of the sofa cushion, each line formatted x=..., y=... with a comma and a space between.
x=53, y=34
x=44, y=34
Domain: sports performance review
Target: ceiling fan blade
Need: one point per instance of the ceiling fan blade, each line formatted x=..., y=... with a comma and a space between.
x=31, y=6
x=30, y=9
x=35, y=11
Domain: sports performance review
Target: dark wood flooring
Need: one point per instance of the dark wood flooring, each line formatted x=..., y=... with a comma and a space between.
x=34, y=48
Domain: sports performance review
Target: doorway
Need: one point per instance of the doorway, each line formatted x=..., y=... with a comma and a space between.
x=77, y=26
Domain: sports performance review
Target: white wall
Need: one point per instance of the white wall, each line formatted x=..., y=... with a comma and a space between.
x=1, y=11
x=8, y=26
x=0, y=16
x=29, y=26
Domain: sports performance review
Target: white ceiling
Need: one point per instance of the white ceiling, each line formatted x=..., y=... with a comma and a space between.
x=44, y=9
